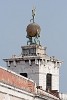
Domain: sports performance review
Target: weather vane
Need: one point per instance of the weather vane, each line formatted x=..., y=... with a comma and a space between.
x=33, y=14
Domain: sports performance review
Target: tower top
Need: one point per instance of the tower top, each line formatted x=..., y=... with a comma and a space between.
x=33, y=31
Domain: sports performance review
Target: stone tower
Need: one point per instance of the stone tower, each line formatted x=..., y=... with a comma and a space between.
x=34, y=63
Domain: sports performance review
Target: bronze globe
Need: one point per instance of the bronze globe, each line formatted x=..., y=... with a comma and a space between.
x=33, y=30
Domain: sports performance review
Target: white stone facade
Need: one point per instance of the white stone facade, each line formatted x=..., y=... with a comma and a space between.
x=37, y=64
x=11, y=93
x=63, y=96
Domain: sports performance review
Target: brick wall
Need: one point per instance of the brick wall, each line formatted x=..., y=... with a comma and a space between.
x=16, y=80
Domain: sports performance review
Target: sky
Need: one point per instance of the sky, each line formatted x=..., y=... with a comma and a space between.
x=51, y=15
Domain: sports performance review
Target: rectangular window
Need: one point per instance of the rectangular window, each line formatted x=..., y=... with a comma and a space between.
x=48, y=81
x=24, y=74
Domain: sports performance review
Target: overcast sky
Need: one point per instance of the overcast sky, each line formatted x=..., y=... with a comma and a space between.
x=51, y=15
